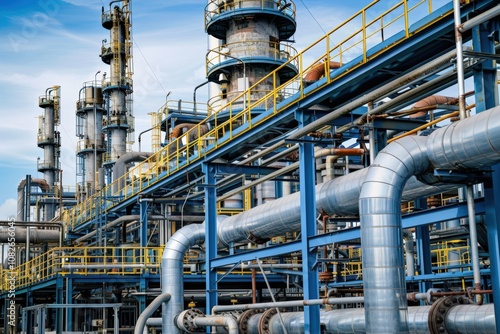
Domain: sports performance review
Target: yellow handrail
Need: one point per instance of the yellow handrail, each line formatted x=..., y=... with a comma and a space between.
x=83, y=261
x=193, y=145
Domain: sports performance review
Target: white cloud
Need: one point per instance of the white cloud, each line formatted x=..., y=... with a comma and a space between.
x=8, y=209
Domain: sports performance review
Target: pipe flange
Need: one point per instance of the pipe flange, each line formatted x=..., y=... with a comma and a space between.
x=438, y=311
x=185, y=321
x=265, y=319
x=244, y=317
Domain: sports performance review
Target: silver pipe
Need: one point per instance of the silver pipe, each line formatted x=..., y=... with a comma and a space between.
x=148, y=312
x=381, y=233
x=171, y=271
x=410, y=252
x=337, y=196
x=227, y=321
x=474, y=251
x=470, y=144
x=120, y=166
x=36, y=236
x=486, y=16
x=460, y=319
x=21, y=189
x=290, y=303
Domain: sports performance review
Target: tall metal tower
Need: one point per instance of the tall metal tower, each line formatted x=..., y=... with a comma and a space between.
x=91, y=146
x=253, y=40
x=118, y=121
x=49, y=140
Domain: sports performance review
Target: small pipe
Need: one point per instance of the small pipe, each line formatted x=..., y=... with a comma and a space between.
x=290, y=303
x=254, y=286
x=148, y=312
x=227, y=321
x=473, y=242
x=486, y=16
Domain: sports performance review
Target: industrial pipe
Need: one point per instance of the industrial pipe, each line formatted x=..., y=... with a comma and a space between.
x=21, y=191
x=227, y=321
x=317, y=71
x=36, y=236
x=120, y=167
x=471, y=144
x=148, y=312
x=172, y=271
x=290, y=303
x=339, y=196
x=459, y=319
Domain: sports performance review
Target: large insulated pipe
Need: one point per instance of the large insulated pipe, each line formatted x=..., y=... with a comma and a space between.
x=460, y=319
x=36, y=236
x=171, y=271
x=471, y=144
x=381, y=233
x=228, y=322
x=338, y=196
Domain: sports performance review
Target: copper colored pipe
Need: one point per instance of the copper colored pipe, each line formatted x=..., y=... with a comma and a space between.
x=318, y=70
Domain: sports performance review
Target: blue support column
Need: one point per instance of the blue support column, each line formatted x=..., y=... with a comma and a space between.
x=210, y=235
x=59, y=300
x=486, y=93
x=308, y=229
x=492, y=198
x=485, y=72
x=69, y=300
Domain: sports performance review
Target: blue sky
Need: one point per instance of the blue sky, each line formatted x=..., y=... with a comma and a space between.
x=57, y=42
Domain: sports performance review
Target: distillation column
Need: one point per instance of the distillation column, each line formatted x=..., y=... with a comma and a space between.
x=118, y=123
x=49, y=140
x=91, y=146
x=252, y=42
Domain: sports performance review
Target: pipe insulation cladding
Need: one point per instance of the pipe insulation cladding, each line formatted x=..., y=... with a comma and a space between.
x=475, y=144
x=467, y=145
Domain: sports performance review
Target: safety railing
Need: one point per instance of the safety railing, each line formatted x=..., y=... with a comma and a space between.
x=215, y=8
x=276, y=51
x=451, y=256
x=84, y=261
x=234, y=122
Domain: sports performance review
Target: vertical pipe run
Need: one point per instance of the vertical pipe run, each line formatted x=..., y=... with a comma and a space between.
x=473, y=243
x=382, y=236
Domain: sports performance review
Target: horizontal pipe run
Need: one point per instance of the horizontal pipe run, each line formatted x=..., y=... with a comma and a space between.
x=228, y=322
x=291, y=303
x=486, y=16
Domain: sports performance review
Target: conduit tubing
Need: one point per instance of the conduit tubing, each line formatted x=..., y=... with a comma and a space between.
x=148, y=312
x=486, y=16
x=470, y=144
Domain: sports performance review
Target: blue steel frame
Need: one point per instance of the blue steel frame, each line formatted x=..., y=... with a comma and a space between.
x=486, y=90
x=307, y=172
